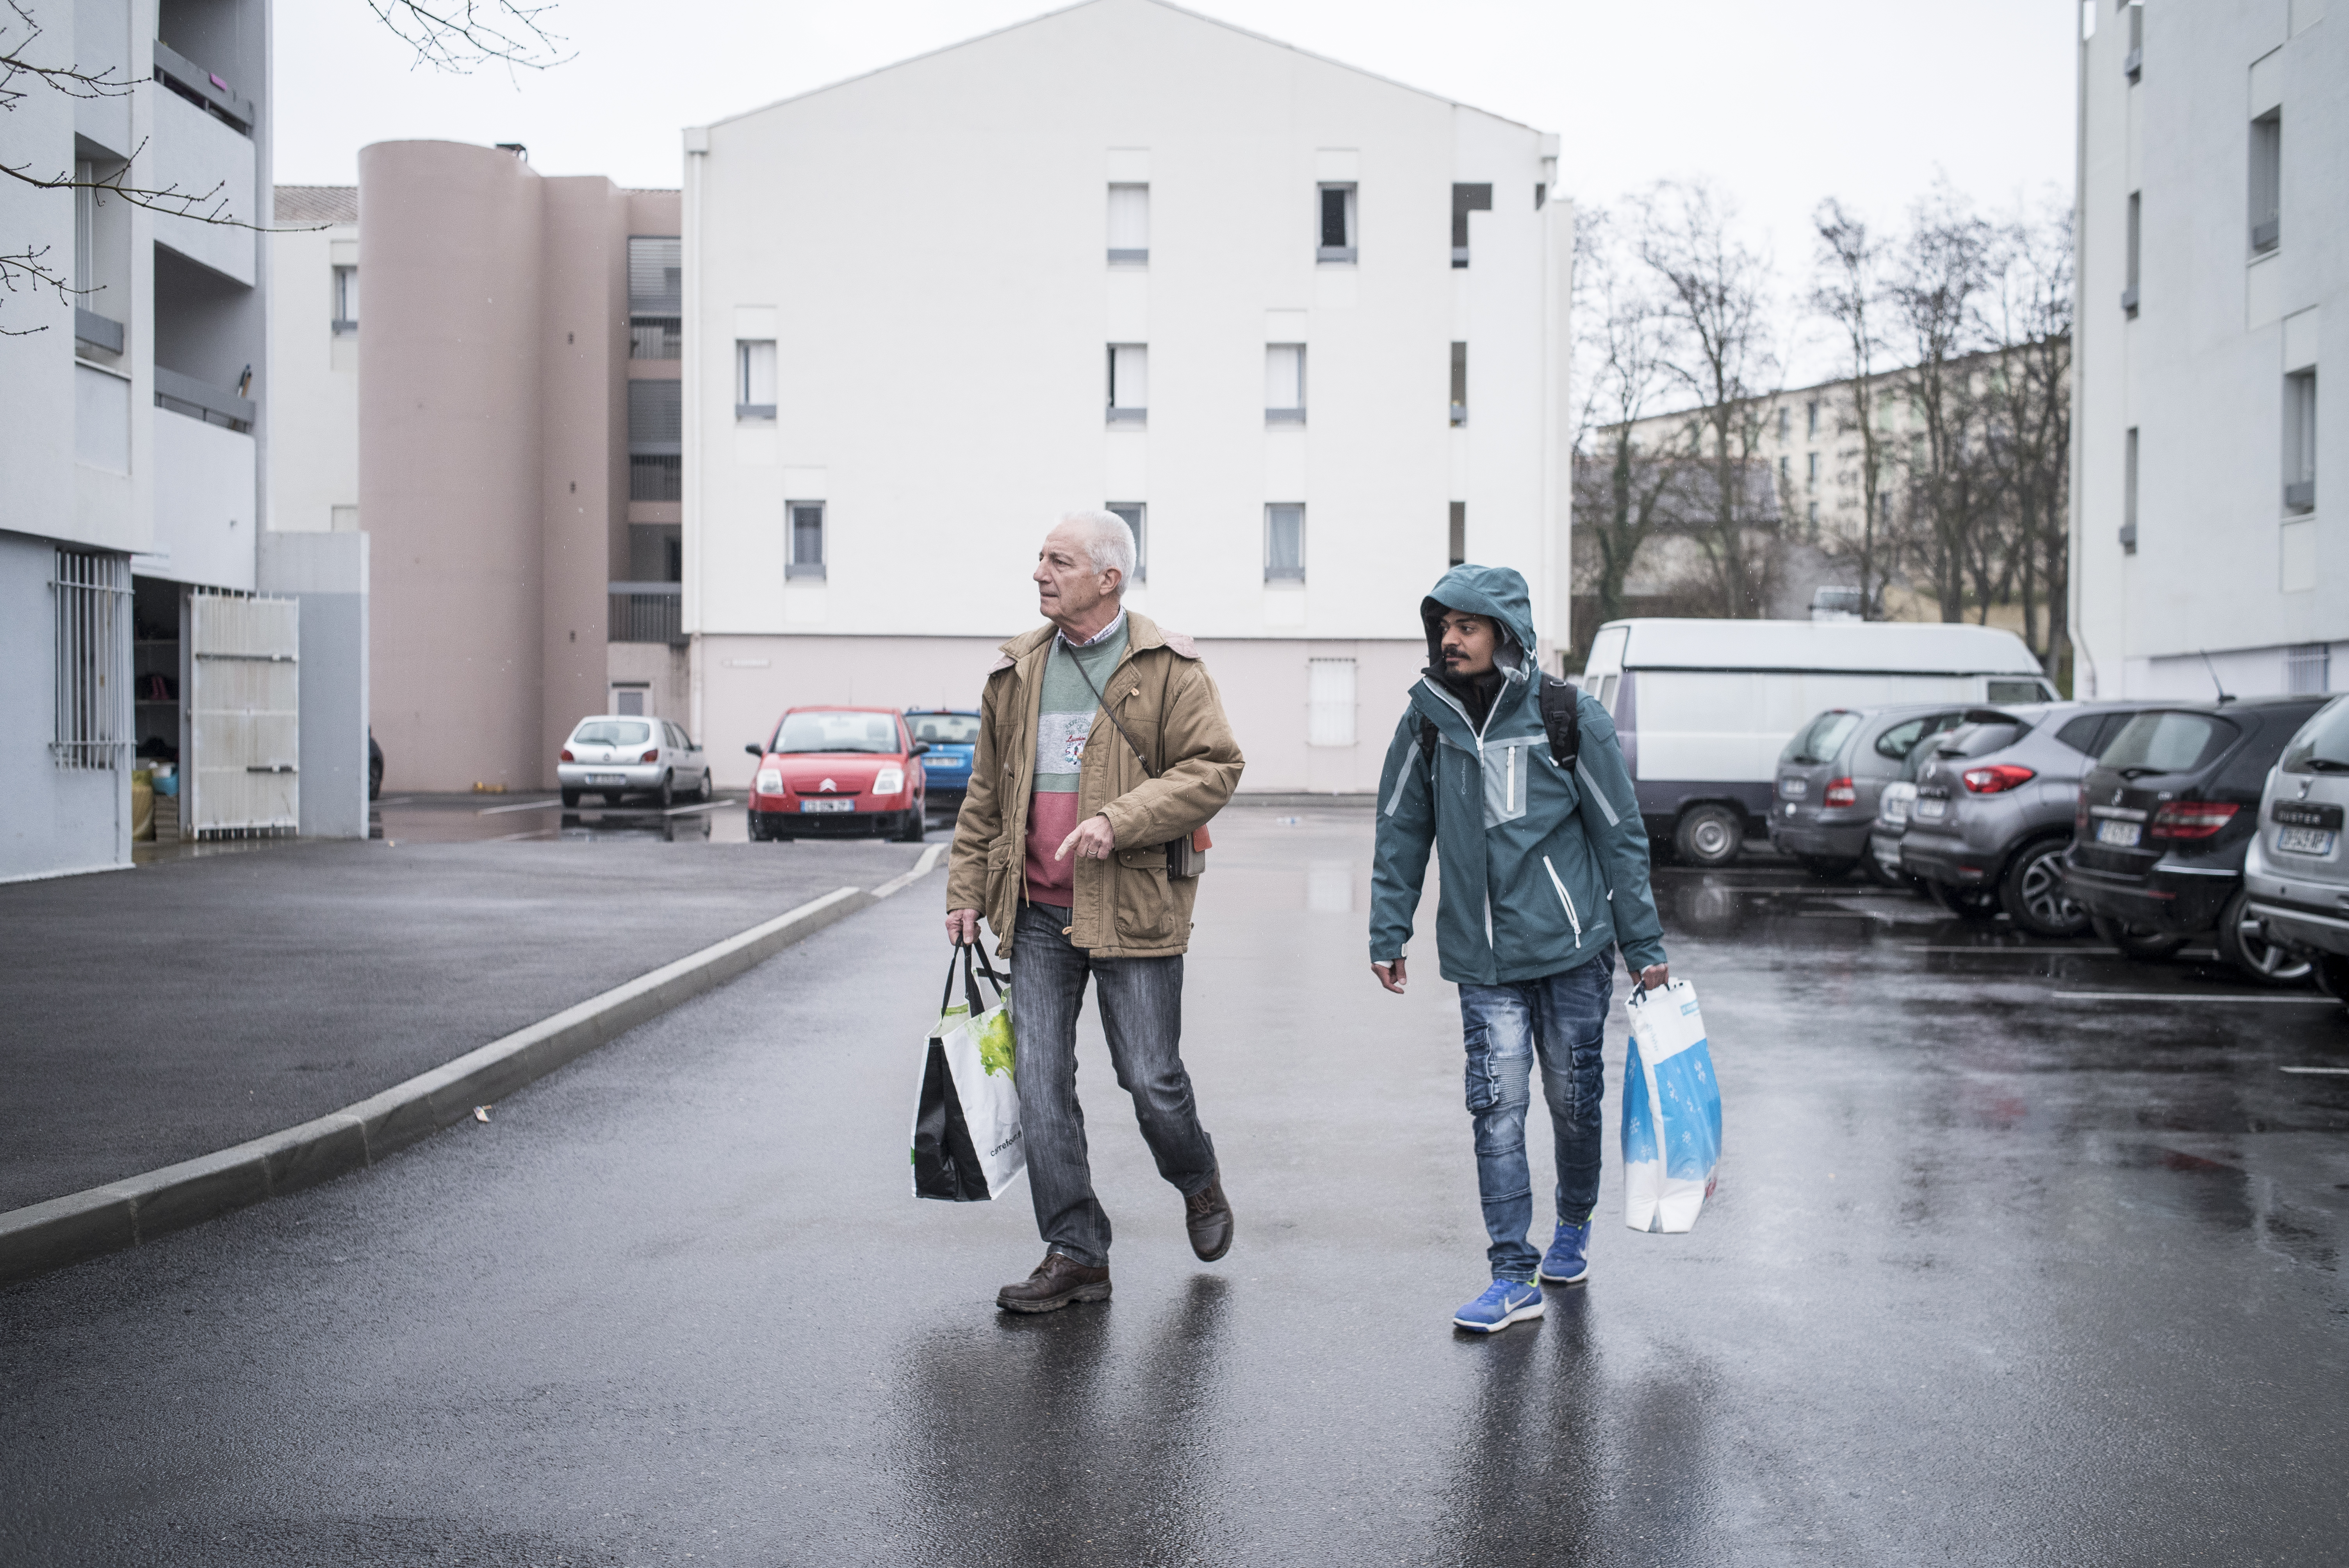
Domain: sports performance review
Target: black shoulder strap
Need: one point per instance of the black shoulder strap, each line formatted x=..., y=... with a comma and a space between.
x=1428, y=740
x=1561, y=720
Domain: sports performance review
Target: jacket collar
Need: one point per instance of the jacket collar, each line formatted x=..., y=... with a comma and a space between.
x=1141, y=632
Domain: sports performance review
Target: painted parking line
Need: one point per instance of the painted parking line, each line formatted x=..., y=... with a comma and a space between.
x=2328, y=1072
x=2086, y=951
x=2189, y=996
x=521, y=806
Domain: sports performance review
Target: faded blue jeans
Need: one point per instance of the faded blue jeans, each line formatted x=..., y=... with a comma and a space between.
x=1561, y=1020
x=1141, y=1014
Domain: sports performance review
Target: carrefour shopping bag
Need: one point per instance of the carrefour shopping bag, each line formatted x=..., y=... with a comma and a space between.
x=967, y=1144
x=1671, y=1111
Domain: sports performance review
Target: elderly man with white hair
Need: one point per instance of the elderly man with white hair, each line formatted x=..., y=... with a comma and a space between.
x=1103, y=751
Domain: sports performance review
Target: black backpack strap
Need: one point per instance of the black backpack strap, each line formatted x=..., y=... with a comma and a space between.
x=1428, y=740
x=1561, y=711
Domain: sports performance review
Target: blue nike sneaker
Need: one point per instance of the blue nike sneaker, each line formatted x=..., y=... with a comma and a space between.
x=1504, y=1302
x=1567, y=1261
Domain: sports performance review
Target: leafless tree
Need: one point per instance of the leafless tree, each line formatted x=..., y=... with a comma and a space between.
x=2030, y=418
x=453, y=38
x=1849, y=292
x=460, y=37
x=1618, y=486
x=1713, y=296
x=1939, y=277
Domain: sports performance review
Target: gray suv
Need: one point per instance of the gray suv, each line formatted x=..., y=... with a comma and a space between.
x=1994, y=810
x=1833, y=773
x=2296, y=871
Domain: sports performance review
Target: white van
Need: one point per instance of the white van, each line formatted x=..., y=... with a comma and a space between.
x=1704, y=707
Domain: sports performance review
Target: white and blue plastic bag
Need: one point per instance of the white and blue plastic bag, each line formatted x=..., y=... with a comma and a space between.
x=1671, y=1111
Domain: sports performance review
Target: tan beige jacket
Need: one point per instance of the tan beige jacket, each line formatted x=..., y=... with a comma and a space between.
x=1125, y=906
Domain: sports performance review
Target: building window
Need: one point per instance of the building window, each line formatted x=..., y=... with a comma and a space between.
x=754, y=379
x=1456, y=552
x=2136, y=248
x=1337, y=230
x=1459, y=383
x=1811, y=412
x=807, y=539
x=1786, y=470
x=1129, y=384
x=2129, y=493
x=1811, y=466
x=1785, y=423
x=1136, y=516
x=2267, y=182
x=2300, y=441
x=1811, y=521
x=2308, y=668
x=89, y=605
x=1284, y=383
x=1129, y=225
x=346, y=298
x=1330, y=696
x=1284, y=543
x=655, y=440
x=1467, y=199
x=655, y=296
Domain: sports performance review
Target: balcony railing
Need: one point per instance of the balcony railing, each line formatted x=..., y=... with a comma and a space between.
x=646, y=613
x=655, y=337
x=201, y=88
x=655, y=477
x=203, y=400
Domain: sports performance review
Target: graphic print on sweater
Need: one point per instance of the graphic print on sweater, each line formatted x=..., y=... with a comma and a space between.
x=1065, y=719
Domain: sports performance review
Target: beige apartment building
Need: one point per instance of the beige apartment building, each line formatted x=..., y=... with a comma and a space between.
x=517, y=455
x=1805, y=473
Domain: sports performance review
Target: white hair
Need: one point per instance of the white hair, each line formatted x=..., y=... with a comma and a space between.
x=1108, y=542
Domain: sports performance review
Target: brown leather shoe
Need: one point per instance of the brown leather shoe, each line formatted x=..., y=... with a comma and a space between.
x=1057, y=1281
x=1208, y=1215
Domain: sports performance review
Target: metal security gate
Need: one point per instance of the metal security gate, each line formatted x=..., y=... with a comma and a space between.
x=243, y=715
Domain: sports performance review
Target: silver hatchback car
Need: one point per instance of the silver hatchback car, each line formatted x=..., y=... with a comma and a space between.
x=1832, y=775
x=616, y=754
x=1994, y=806
x=2296, y=870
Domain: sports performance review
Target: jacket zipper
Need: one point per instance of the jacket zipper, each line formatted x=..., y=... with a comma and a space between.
x=1565, y=897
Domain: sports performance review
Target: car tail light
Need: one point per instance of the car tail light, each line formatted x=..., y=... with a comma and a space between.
x=770, y=781
x=1840, y=793
x=568, y=756
x=2191, y=819
x=652, y=755
x=1997, y=779
x=889, y=781
x=2080, y=815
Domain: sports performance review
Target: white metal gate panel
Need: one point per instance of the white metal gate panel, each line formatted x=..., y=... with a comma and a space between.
x=243, y=715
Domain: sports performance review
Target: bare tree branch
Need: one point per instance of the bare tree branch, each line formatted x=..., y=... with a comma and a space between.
x=462, y=35
x=70, y=81
x=1848, y=292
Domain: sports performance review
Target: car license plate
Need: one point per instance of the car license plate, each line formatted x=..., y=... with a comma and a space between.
x=607, y=778
x=2304, y=840
x=827, y=805
x=1927, y=809
x=1794, y=789
x=2120, y=835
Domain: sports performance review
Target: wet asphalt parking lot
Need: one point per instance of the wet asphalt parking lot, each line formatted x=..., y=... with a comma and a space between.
x=2005, y=1265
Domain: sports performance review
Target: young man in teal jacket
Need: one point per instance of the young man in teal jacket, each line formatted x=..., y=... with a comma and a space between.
x=1545, y=873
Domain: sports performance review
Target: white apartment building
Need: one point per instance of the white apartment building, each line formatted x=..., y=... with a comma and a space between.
x=1303, y=325
x=313, y=360
x=2212, y=544
x=134, y=632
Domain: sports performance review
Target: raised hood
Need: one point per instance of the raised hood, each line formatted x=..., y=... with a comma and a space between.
x=1494, y=592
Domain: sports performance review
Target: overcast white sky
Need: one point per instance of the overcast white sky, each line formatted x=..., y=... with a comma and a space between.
x=1779, y=104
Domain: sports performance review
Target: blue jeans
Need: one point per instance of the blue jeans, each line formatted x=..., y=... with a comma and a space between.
x=1141, y=1014
x=1562, y=1020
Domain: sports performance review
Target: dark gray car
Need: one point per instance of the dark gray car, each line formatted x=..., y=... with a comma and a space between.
x=1994, y=810
x=1833, y=773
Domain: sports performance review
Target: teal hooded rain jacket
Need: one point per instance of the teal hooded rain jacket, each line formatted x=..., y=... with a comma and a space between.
x=1543, y=868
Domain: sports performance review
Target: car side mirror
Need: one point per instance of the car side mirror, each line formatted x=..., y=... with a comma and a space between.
x=919, y=747
x=754, y=749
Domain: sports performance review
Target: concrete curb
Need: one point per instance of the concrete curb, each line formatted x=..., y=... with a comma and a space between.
x=127, y=1214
